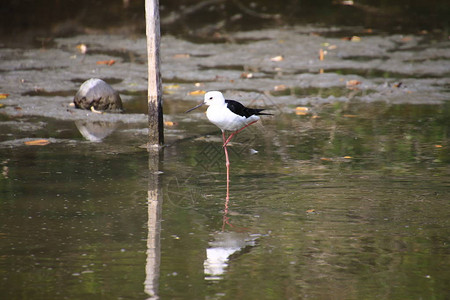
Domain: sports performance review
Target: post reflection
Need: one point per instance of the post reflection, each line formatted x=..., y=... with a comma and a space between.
x=152, y=268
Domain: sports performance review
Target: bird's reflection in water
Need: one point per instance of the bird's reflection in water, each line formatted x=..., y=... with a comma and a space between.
x=224, y=245
x=96, y=131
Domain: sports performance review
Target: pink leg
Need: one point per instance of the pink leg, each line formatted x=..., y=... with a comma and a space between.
x=227, y=162
x=236, y=132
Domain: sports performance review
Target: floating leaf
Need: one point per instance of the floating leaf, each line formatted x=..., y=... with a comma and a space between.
x=197, y=92
x=40, y=142
x=4, y=96
x=106, y=62
x=277, y=58
x=301, y=111
x=169, y=123
x=172, y=86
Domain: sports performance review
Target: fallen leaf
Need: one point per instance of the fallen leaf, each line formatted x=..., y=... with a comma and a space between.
x=332, y=47
x=355, y=39
x=106, y=62
x=1, y=105
x=246, y=75
x=321, y=71
x=277, y=58
x=172, y=86
x=40, y=142
x=96, y=111
x=347, y=157
x=325, y=159
x=352, y=82
x=182, y=55
x=315, y=117
x=169, y=123
x=310, y=211
x=4, y=96
x=301, y=111
x=406, y=39
x=198, y=84
x=438, y=146
x=321, y=54
x=197, y=92
x=82, y=48
x=350, y=116
x=280, y=87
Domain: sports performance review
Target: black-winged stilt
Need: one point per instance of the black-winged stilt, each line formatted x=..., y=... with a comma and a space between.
x=228, y=115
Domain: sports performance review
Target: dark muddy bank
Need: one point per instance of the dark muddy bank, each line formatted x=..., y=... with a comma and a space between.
x=279, y=66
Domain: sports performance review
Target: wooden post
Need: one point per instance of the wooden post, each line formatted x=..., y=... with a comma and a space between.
x=155, y=139
x=155, y=111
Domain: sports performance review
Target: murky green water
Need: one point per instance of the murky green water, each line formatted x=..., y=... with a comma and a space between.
x=350, y=201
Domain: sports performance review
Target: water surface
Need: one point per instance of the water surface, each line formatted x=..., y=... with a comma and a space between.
x=349, y=201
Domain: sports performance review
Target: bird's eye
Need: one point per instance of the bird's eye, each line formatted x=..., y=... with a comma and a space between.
x=210, y=98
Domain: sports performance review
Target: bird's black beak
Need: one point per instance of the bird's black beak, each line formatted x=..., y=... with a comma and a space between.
x=191, y=109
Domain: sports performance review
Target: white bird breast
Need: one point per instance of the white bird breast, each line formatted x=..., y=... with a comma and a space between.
x=225, y=119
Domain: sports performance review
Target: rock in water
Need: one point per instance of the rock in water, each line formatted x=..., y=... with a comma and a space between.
x=95, y=94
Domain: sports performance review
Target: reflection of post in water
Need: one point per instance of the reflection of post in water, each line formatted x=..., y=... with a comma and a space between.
x=154, y=225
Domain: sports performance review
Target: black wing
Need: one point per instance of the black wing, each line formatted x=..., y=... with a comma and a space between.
x=243, y=111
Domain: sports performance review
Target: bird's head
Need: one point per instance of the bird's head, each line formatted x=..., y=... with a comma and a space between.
x=210, y=98
x=213, y=97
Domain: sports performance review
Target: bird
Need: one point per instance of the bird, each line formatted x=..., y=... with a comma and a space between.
x=228, y=115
